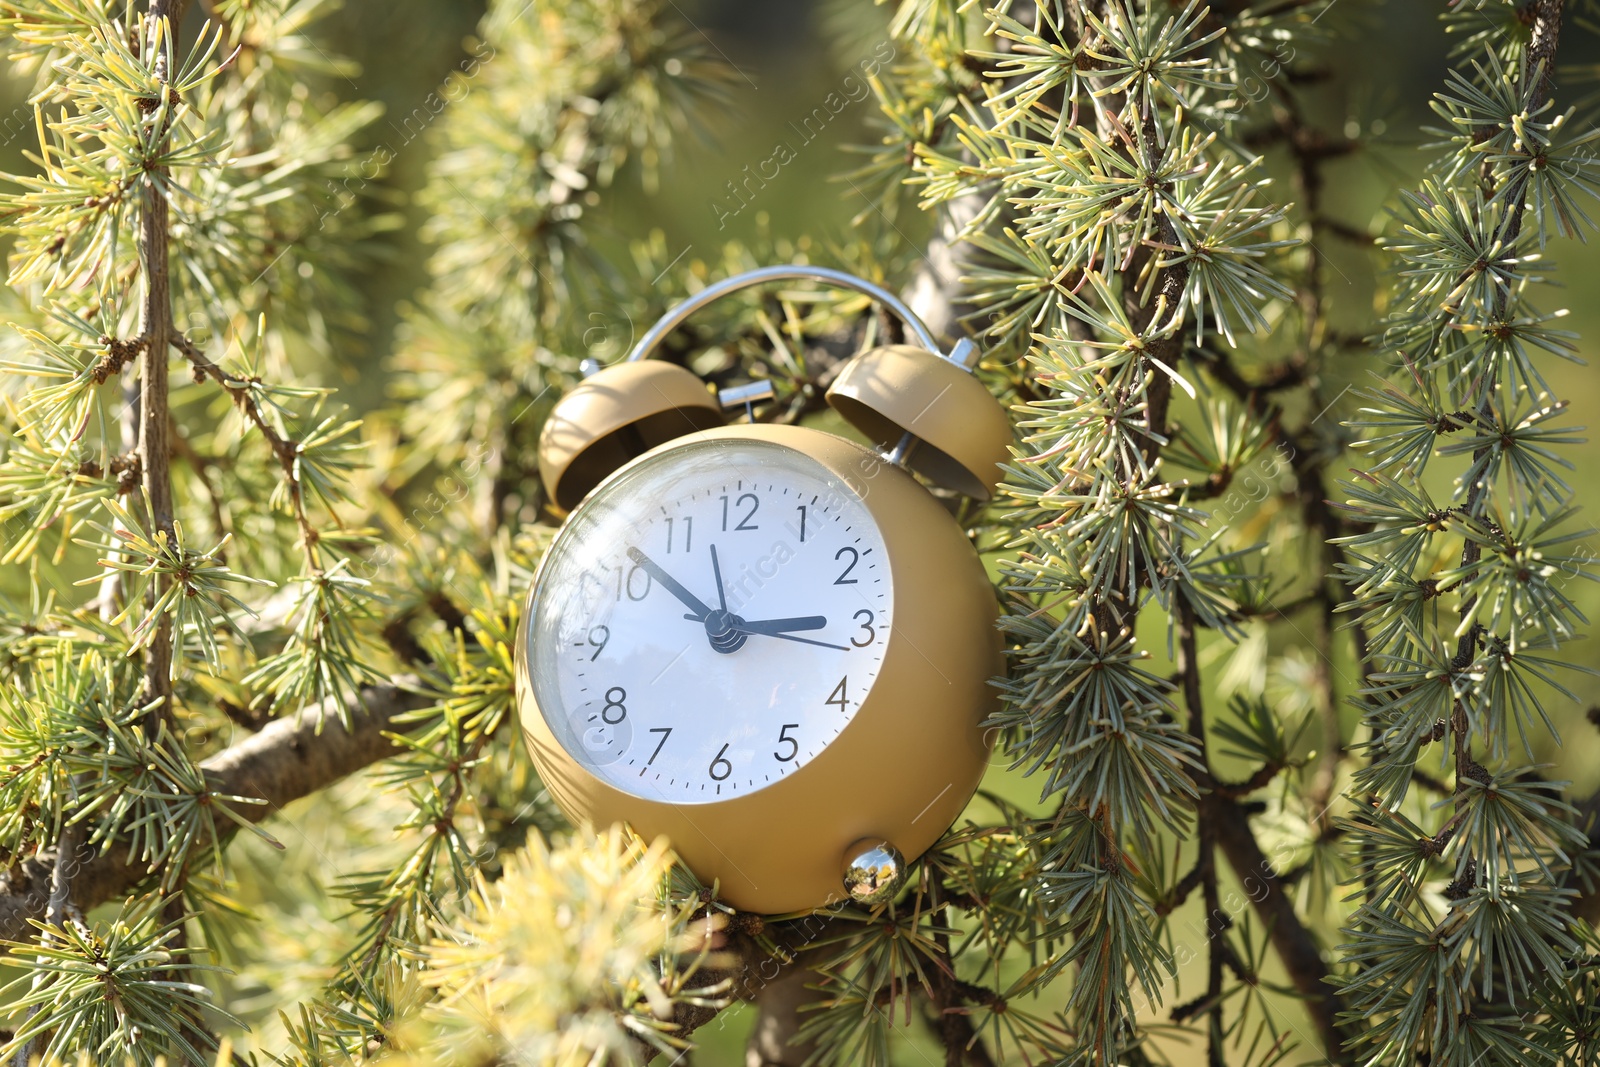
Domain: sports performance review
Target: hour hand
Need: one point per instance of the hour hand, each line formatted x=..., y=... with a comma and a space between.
x=780, y=626
x=774, y=627
x=671, y=584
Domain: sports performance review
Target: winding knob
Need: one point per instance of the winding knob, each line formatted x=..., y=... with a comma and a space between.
x=742, y=396
x=874, y=870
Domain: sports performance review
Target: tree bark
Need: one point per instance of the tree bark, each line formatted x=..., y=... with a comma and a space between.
x=1586, y=905
x=773, y=1042
x=932, y=292
x=1293, y=943
x=155, y=322
x=289, y=759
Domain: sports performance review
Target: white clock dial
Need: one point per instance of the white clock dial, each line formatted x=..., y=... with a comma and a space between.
x=671, y=685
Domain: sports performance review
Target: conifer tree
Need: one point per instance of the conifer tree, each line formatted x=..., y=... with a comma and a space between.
x=1279, y=656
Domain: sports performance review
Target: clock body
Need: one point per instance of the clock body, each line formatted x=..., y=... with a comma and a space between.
x=767, y=644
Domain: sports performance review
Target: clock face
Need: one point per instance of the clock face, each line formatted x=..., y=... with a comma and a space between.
x=707, y=622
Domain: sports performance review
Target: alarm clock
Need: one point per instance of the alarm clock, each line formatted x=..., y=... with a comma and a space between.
x=768, y=643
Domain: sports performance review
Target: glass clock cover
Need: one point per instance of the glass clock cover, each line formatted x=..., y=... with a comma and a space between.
x=709, y=620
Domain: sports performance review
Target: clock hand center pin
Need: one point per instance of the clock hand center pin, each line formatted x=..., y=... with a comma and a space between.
x=723, y=628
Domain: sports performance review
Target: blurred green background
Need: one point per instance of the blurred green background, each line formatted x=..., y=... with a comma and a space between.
x=1382, y=62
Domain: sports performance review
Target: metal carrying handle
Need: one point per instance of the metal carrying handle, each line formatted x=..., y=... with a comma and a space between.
x=963, y=352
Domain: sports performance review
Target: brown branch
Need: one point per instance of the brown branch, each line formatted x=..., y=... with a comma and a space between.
x=1225, y=824
x=1586, y=903
x=155, y=415
x=119, y=354
x=1310, y=149
x=1293, y=943
x=1350, y=233
x=773, y=1042
x=950, y=1020
x=1260, y=779
x=290, y=758
x=155, y=327
x=1175, y=897
x=1542, y=45
x=284, y=450
x=1216, y=920
x=779, y=994
x=1319, y=516
x=1289, y=374
x=1227, y=820
x=1278, y=612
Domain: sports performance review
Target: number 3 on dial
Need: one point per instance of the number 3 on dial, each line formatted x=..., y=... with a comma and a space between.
x=866, y=626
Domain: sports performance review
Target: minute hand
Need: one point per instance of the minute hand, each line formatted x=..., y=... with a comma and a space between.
x=689, y=599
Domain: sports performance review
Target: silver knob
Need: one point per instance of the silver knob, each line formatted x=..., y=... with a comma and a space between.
x=874, y=870
x=740, y=396
x=589, y=367
x=965, y=354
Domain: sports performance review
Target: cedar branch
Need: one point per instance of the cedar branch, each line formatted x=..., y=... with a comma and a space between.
x=289, y=759
x=1296, y=948
x=1227, y=826
x=1540, y=58
x=155, y=327
x=284, y=450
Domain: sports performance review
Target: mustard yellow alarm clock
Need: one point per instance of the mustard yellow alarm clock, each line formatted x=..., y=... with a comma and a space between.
x=770, y=644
